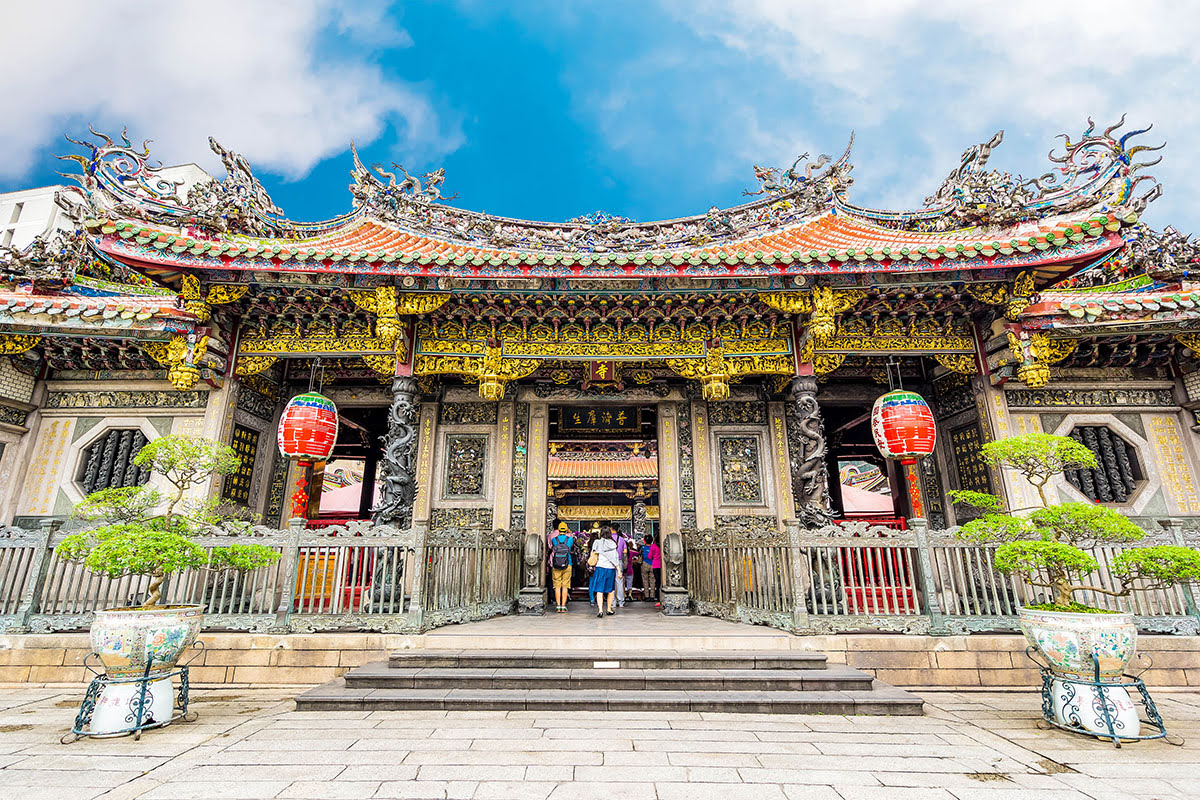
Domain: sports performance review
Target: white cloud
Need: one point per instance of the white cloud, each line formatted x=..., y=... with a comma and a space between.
x=261, y=77
x=921, y=80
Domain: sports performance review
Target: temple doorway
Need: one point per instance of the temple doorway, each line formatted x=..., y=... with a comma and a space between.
x=602, y=467
x=862, y=484
x=349, y=482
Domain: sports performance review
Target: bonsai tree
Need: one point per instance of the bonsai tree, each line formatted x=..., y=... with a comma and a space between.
x=130, y=539
x=1048, y=547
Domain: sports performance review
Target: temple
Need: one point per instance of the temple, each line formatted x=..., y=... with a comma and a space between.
x=707, y=372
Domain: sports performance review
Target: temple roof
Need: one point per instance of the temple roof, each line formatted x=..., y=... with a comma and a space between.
x=801, y=223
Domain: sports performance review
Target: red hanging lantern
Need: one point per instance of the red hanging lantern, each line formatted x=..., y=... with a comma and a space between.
x=307, y=432
x=903, y=426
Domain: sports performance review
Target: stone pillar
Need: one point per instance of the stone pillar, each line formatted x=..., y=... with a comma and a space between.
x=536, y=511
x=639, y=519
x=425, y=448
x=503, y=475
x=669, y=513
x=702, y=459
x=806, y=443
x=399, y=465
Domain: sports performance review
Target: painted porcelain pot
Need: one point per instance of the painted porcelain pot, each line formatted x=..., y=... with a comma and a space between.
x=126, y=639
x=1067, y=641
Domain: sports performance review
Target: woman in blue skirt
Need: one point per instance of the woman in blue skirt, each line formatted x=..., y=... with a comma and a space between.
x=604, y=578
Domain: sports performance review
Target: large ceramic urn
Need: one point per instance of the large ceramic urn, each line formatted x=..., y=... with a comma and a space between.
x=1067, y=641
x=128, y=640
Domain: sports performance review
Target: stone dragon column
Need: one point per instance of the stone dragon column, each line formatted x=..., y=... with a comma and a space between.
x=807, y=446
x=399, y=463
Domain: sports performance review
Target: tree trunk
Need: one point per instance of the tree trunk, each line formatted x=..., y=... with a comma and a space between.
x=154, y=593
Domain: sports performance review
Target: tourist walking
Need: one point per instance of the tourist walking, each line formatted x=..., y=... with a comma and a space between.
x=604, y=577
x=561, y=564
x=651, y=562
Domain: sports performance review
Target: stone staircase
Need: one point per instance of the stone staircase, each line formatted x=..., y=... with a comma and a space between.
x=768, y=682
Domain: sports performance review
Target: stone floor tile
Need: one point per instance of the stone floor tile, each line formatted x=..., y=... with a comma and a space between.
x=608, y=775
x=514, y=790
x=611, y=791
x=467, y=772
x=427, y=790
x=378, y=772
x=206, y=790
x=718, y=791
x=331, y=790
x=800, y=792
x=233, y=773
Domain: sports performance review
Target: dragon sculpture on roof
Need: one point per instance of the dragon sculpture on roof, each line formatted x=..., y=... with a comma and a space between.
x=1095, y=170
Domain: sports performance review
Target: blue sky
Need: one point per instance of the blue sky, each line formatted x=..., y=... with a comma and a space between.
x=647, y=109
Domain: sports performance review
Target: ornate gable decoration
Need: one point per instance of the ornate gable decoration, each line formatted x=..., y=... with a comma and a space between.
x=1094, y=170
x=117, y=180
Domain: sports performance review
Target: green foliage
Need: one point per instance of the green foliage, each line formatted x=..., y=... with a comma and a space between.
x=133, y=542
x=980, y=500
x=132, y=549
x=1071, y=608
x=243, y=557
x=186, y=460
x=1084, y=524
x=1158, y=566
x=992, y=528
x=1038, y=454
x=1043, y=557
x=126, y=504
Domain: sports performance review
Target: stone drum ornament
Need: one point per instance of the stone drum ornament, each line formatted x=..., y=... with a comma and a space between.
x=307, y=433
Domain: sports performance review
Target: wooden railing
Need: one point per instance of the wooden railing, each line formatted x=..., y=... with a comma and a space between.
x=353, y=577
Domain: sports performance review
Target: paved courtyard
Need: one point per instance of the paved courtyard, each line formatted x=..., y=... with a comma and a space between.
x=251, y=744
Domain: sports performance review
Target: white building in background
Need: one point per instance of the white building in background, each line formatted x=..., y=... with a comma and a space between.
x=29, y=213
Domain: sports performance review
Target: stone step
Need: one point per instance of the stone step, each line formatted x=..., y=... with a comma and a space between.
x=621, y=659
x=882, y=700
x=385, y=675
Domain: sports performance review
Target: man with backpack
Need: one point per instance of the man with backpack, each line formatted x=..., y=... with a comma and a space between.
x=561, y=562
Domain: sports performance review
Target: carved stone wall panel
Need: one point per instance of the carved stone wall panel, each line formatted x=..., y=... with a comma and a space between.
x=128, y=399
x=520, y=466
x=730, y=412
x=1065, y=397
x=458, y=518
x=740, y=466
x=687, y=483
x=255, y=403
x=465, y=466
x=467, y=414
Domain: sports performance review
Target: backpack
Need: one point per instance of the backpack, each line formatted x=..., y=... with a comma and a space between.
x=561, y=557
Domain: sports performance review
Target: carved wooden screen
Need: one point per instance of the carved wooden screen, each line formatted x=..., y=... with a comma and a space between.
x=108, y=462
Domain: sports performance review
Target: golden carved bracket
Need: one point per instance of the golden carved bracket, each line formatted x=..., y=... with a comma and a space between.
x=1189, y=340
x=199, y=300
x=180, y=357
x=12, y=344
x=717, y=369
x=253, y=365
x=962, y=363
x=1021, y=295
x=822, y=304
x=493, y=371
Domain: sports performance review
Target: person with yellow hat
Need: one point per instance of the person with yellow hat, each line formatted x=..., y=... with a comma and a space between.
x=561, y=563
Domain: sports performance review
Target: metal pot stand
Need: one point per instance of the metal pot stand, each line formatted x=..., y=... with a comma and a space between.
x=140, y=716
x=1105, y=708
